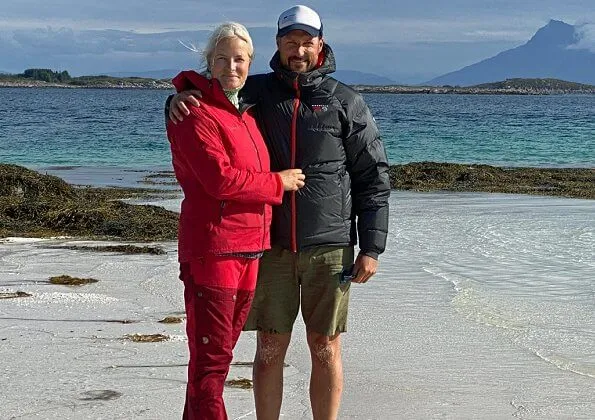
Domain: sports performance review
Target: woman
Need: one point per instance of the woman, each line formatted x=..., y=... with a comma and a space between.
x=222, y=165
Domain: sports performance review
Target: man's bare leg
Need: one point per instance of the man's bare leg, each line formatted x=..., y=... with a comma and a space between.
x=326, y=380
x=267, y=374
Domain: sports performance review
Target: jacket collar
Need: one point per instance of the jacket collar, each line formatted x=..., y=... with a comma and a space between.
x=311, y=78
x=212, y=92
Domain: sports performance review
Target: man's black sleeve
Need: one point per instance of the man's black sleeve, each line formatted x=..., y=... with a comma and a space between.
x=369, y=169
x=167, y=102
x=251, y=90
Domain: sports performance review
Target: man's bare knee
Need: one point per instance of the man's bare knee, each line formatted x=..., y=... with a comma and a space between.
x=324, y=349
x=271, y=349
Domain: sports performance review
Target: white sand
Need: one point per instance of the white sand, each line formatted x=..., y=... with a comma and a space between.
x=430, y=336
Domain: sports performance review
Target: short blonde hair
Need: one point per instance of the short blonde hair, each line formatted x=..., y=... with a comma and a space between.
x=226, y=30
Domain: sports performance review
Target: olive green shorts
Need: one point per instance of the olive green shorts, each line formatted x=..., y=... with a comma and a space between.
x=311, y=277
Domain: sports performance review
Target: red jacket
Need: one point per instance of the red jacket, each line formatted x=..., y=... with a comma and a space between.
x=222, y=164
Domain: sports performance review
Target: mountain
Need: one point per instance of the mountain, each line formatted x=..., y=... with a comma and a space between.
x=349, y=77
x=555, y=51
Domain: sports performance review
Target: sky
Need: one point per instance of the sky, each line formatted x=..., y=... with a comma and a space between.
x=406, y=41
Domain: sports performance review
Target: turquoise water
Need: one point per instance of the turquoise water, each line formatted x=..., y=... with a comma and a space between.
x=125, y=128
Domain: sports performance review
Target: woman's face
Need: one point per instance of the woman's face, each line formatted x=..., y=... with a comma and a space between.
x=231, y=63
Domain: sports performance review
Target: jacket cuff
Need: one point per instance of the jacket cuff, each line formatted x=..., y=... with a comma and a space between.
x=166, y=108
x=280, y=190
x=371, y=254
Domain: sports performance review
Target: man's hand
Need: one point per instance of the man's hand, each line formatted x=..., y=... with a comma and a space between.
x=364, y=268
x=177, y=107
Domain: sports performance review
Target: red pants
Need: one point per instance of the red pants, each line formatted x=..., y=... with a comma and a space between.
x=218, y=294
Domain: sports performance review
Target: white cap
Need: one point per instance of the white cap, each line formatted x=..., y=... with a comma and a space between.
x=299, y=18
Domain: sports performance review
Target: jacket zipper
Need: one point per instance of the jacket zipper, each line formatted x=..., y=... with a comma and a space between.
x=296, y=107
x=259, y=164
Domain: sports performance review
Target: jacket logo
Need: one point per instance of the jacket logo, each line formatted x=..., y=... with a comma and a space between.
x=319, y=108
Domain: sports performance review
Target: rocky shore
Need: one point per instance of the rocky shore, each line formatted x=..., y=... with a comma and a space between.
x=506, y=87
x=474, y=90
x=89, y=83
x=36, y=205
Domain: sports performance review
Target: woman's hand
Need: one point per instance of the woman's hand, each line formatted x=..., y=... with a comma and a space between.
x=293, y=179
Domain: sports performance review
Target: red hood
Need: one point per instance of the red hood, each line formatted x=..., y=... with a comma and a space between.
x=210, y=88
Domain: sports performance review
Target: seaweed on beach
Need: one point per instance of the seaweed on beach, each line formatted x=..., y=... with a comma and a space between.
x=162, y=174
x=241, y=383
x=100, y=395
x=37, y=205
x=71, y=281
x=14, y=295
x=171, y=320
x=124, y=249
x=19, y=182
x=146, y=338
x=432, y=176
x=33, y=204
x=160, y=178
x=121, y=321
x=154, y=182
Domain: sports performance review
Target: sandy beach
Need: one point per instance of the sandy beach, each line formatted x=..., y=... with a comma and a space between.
x=443, y=331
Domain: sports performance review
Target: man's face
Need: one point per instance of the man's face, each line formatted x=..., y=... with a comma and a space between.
x=299, y=51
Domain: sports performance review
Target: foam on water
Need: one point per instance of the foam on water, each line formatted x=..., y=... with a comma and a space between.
x=560, y=333
x=527, y=272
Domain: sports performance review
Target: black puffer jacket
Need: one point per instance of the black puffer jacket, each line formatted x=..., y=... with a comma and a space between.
x=313, y=122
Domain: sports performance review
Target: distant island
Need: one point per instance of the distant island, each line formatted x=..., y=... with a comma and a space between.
x=508, y=87
x=48, y=78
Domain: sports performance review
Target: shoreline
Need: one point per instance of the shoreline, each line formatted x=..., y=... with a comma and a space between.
x=470, y=90
x=36, y=205
x=125, y=84
x=570, y=182
x=513, y=87
x=426, y=176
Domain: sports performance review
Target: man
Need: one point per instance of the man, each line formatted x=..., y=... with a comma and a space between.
x=312, y=122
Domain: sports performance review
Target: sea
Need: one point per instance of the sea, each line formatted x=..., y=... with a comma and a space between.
x=484, y=304
x=126, y=128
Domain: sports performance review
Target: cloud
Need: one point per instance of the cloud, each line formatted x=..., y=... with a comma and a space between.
x=402, y=31
x=159, y=15
x=138, y=15
x=66, y=41
x=586, y=37
x=93, y=51
x=502, y=35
